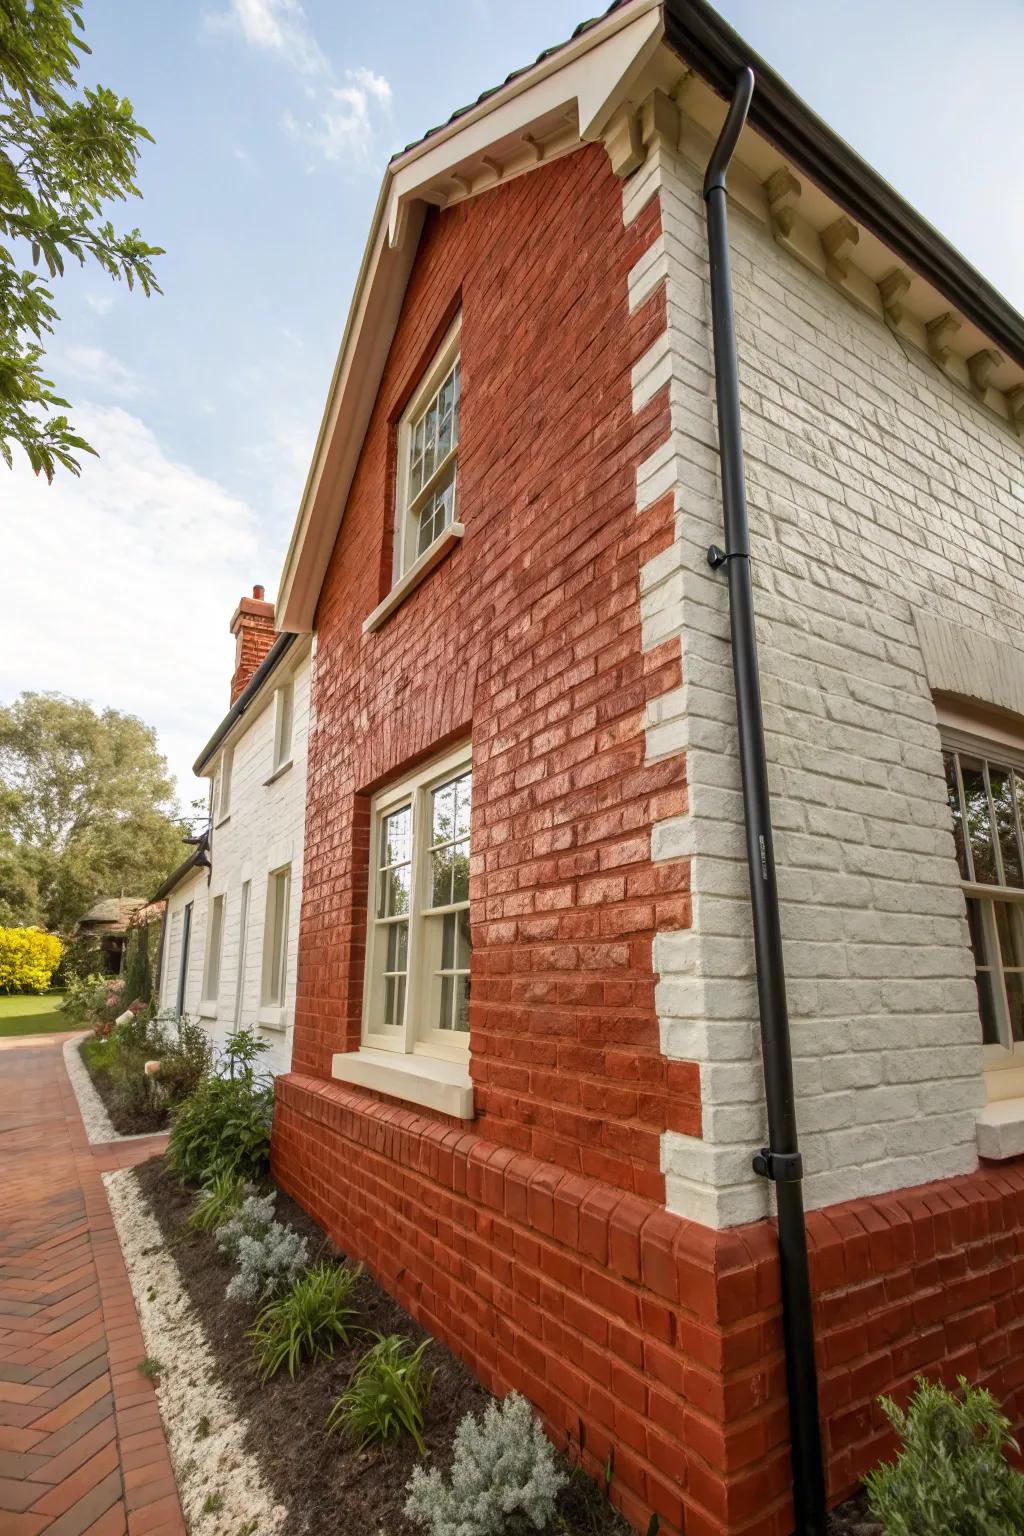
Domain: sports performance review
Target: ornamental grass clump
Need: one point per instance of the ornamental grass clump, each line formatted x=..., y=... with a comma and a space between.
x=951, y=1477
x=387, y=1396
x=504, y=1477
x=219, y=1200
x=307, y=1322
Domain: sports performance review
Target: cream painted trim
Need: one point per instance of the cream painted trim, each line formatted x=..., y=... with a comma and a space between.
x=1000, y=1129
x=272, y=1018
x=282, y=768
x=431, y=1081
x=417, y=573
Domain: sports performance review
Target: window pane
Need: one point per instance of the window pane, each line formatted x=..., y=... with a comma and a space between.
x=444, y=1019
x=1010, y=928
x=448, y=942
x=395, y=889
x=953, y=795
x=1001, y=783
x=398, y=947
x=463, y=947
x=441, y=883
x=1015, y=999
x=979, y=827
x=460, y=873
x=396, y=837
x=394, y=1001
x=461, y=1020
x=443, y=820
x=463, y=791
x=987, y=1008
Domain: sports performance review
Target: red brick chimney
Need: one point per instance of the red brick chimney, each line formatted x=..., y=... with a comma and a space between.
x=253, y=629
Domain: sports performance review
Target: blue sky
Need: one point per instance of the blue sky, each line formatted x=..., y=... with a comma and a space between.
x=273, y=121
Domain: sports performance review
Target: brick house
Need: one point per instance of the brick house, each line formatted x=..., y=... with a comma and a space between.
x=526, y=1079
x=231, y=929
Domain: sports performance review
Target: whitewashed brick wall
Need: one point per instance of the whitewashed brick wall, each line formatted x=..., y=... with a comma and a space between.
x=264, y=831
x=877, y=489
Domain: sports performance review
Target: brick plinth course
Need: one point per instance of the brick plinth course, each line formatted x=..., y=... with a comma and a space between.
x=660, y=1337
x=82, y=1448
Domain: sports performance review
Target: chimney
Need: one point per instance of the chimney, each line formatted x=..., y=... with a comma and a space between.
x=253, y=629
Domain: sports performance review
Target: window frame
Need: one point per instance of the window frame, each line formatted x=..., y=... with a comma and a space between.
x=185, y=956
x=405, y=554
x=222, y=787
x=213, y=955
x=284, y=713
x=245, y=901
x=1009, y=1053
x=411, y=1038
x=275, y=943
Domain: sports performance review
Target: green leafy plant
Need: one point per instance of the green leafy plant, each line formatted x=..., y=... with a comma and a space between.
x=151, y=1368
x=203, y=1427
x=224, y=1127
x=504, y=1476
x=387, y=1396
x=218, y=1200
x=307, y=1322
x=213, y=1503
x=951, y=1477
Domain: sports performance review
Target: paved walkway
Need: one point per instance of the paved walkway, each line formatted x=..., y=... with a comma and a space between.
x=82, y=1448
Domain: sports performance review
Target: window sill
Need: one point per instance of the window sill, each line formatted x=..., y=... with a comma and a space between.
x=445, y=1086
x=222, y=822
x=278, y=771
x=416, y=573
x=207, y=1010
x=272, y=1018
x=1001, y=1129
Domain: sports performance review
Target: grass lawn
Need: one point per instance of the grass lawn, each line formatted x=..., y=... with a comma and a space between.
x=32, y=1015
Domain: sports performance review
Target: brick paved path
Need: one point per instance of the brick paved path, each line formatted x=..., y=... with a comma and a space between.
x=82, y=1448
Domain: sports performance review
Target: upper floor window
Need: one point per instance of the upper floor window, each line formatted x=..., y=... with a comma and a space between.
x=222, y=787
x=986, y=798
x=428, y=452
x=418, y=949
x=284, y=710
x=275, y=943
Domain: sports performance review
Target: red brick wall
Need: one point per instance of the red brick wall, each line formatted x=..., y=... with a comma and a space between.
x=662, y=1338
x=527, y=638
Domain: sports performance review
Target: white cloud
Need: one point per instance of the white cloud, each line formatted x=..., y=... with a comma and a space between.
x=347, y=126
x=279, y=27
x=98, y=369
x=127, y=579
x=100, y=303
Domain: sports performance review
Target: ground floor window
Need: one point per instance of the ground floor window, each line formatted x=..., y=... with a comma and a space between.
x=985, y=787
x=416, y=995
x=275, y=938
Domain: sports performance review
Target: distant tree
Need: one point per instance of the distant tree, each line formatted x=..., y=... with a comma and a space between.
x=63, y=158
x=86, y=809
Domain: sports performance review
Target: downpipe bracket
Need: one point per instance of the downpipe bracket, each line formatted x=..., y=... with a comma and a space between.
x=781, y=1167
x=718, y=557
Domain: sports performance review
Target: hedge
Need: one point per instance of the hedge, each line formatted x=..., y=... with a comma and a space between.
x=28, y=959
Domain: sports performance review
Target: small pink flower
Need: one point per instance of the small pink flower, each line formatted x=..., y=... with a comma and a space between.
x=152, y=1069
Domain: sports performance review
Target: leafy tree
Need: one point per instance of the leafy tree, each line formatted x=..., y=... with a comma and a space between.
x=86, y=809
x=63, y=158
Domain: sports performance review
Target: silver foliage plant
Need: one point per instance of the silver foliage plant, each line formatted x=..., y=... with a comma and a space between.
x=268, y=1256
x=504, y=1478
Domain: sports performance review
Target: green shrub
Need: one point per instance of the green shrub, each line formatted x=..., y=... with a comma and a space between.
x=951, y=1477
x=185, y=1055
x=218, y=1200
x=224, y=1127
x=307, y=1321
x=504, y=1477
x=28, y=959
x=387, y=1396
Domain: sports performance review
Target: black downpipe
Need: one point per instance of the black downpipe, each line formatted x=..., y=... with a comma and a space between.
x=780, y=1160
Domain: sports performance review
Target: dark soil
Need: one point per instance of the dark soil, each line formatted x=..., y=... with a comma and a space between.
x=326, y=1486
x=854, y=1519
x=127, y=1122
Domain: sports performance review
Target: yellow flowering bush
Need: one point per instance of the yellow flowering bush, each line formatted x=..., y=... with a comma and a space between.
x=28, y=959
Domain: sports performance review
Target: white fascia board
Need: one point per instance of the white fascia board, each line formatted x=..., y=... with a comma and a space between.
x=594, y=73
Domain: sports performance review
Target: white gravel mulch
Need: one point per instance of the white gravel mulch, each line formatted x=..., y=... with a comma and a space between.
x=90, y=1106
x=217, y=1465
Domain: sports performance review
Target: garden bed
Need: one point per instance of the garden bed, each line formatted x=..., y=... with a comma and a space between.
x=318, y=1478
x=138, y=1120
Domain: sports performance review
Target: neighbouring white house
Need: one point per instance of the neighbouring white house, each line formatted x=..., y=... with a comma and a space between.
x=231, y=930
